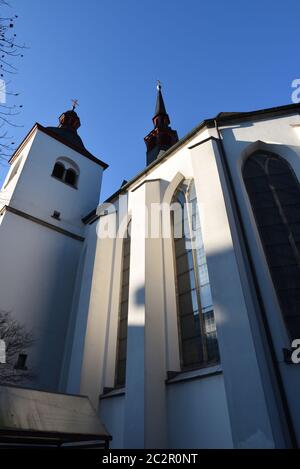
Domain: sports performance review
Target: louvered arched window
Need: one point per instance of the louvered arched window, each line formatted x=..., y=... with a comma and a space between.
x=196, y=323
x=66, y=170
x=274, y=194
x=59, y=170
x=71, y=177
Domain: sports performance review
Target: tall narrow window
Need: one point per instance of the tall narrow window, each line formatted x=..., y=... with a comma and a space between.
x=197, y=329
x=123, y=313
x=274, y=193
x=71, y=177
x=58, y=170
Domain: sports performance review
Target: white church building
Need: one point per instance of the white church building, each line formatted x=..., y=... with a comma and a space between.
x=179, y=341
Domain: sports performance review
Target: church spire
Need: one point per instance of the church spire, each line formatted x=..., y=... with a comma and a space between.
x=160, y=105
x=162, y=137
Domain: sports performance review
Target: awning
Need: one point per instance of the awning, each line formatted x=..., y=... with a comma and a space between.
x=30, y=417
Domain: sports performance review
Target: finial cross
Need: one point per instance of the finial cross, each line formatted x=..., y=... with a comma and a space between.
x=74, y=103
x=158, y=85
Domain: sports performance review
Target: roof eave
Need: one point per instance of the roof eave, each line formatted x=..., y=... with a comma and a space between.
x=209, y=123
x=220, y=119
x=43, y=129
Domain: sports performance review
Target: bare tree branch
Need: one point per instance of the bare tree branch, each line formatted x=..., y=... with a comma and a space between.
x=10, y=51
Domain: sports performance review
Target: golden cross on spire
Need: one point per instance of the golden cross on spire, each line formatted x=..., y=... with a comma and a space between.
x=74, y=103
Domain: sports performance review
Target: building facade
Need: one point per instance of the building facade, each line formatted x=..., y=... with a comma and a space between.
x=180, y=341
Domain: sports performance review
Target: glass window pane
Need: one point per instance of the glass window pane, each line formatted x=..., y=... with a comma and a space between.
x=121, y=372
x=192, y=351
x=190, y=326
x=274, y=193
x=186, y=281
x=193, y=289
x=126, y=262
x=123, y=314
x=125, y=276
x=185, y=303
x=182, y=263
x=123, y=328
x=122, y=348
x=205, y=295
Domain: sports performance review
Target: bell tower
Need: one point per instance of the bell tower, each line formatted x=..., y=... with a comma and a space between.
x=53, y=182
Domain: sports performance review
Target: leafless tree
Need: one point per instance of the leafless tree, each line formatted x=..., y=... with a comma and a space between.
x=10, y=51
x=17, y=341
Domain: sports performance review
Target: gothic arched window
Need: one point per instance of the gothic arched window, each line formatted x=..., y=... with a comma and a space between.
x=123, y=313
x=274, y=193
x=196, y=323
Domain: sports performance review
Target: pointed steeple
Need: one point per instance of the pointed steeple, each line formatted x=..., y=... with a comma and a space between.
x=160, y=105
x=162, y=137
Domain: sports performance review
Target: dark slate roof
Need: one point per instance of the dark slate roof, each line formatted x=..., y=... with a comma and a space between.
x=160, y=105
x=68, y=135
x=61, y=137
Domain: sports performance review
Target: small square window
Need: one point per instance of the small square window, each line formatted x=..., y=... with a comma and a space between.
x=56, y=215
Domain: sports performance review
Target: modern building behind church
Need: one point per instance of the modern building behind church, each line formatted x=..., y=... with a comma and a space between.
x=178, y=341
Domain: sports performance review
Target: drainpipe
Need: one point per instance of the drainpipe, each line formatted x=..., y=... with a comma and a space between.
x=234, y=201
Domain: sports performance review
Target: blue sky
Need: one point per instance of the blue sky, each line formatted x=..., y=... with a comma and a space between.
x=210, y=57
